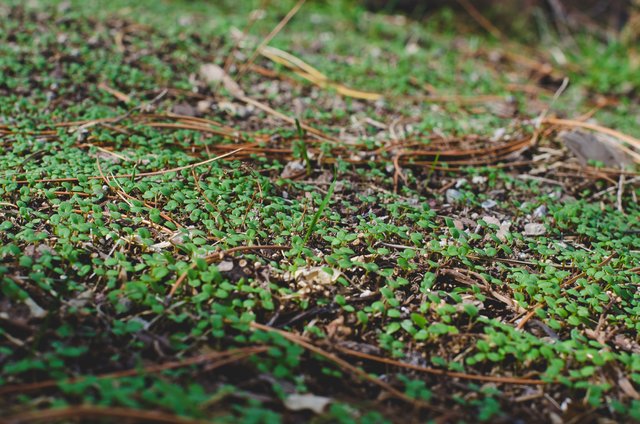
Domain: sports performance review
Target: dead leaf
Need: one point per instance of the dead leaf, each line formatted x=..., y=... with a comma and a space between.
x=184, y=109
x=311, y=74
x=337, y=329
x=625, y=343
x=317, y=274
x=508, y=301
x=236, y=110
x=104, y=155
x=81, y=300
x=293, y=169
x=491, y=220
x=159, y=246
x=534, y=229
x=627, y=388
x=504, y=226
x=214, y=74
x=503, y=231
x=203, y=106
x=34, y=308
x=597, y=147
x=313, y=279
x=296, y=402
x=502, y=108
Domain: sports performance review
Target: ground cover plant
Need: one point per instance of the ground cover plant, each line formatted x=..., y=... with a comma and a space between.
x=208, y=216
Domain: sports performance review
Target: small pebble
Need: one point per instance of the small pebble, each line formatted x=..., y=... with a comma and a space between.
x=488, y=204
x=461, y=182
x=491, y=220
x=225, y=266
x=478, y=179
x=453, y=195
x=293, y=169
x=540, y=211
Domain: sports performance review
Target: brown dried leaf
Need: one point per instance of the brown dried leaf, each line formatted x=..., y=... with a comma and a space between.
x=297, y=402
x=598, y=147
x=627, y=388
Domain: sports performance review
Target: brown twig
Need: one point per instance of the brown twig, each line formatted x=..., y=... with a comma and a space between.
x=191, y=127
x=619, y=194
x=435, y=371
x=397, y=174
x=115, y=93
x=124, y=196
x=480, y=19
x=632, y=141
x=567, y=283
x=253, y=18
x=285, y=118
x=138, y=175
x=346, y=366
x=269, y=37
x=223, y=358
x=98, y=413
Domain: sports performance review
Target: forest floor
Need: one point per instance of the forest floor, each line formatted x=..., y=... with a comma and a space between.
x=363, y=219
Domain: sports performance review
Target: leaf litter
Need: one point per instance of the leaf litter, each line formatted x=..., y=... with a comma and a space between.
x=432, y=260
